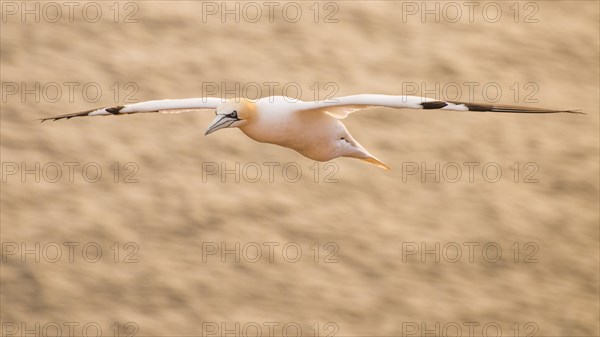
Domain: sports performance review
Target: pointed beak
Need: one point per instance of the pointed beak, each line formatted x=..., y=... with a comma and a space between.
x=220, y=122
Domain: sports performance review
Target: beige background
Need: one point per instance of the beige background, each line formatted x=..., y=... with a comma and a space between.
x=368, y=214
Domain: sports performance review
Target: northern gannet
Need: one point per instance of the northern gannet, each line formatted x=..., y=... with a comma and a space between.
x=313, y=129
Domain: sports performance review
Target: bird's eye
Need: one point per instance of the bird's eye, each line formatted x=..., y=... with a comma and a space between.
x=233, y=114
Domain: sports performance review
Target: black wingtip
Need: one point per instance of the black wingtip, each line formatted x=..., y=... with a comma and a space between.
x=115, y=110
x=576, y=112
x=433, y=105
x=69, y=116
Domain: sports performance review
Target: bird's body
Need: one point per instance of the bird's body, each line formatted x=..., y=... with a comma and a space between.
x=314, y=129
x=314, y=134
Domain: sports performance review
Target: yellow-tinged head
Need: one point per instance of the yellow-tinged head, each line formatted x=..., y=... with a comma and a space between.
x=232, y=113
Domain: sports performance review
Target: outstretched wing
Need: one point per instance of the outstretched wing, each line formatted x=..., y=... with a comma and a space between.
x=341, y=107
x=164, y=106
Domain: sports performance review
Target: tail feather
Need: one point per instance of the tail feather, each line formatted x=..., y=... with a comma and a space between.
x=377, y=162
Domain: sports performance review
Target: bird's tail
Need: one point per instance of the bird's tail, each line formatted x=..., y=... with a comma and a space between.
x=377, y=162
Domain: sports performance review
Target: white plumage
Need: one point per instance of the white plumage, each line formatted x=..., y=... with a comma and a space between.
x=313, y=129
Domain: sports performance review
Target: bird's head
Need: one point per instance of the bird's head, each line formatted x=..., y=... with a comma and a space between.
x=232, y=113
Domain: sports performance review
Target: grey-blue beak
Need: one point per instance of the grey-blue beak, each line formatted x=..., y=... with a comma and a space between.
x=220, y=122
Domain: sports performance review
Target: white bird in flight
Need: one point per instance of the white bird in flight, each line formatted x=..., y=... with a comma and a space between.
x=313, y=129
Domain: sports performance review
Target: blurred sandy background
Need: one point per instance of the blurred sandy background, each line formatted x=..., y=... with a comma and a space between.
x=368, y=214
